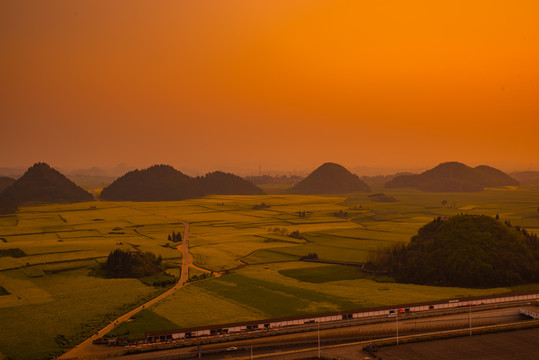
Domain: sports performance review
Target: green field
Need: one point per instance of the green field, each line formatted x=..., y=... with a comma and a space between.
x=323, y=274
x=51, y=299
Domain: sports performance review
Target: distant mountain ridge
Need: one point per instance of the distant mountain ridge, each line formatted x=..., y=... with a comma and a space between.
x=330, y=178
x=41, y=184
x=277, y=179
x=164, y=183
x=115, y=171
x=526, y=177
x=454, y=177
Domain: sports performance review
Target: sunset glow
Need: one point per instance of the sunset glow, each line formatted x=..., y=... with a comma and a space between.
x=273, y=84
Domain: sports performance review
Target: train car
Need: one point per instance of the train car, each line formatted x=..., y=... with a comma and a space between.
x=270, y=324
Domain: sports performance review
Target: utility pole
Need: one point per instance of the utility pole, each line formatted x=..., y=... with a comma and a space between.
x=470, y=317
x=397, y=317
x=319, y=341
x=251, y=351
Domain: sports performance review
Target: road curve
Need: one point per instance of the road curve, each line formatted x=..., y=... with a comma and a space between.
x=87, y=349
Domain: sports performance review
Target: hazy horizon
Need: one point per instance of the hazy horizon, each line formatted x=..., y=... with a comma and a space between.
x=273, y=85
x=122, y=168
x=243, y=171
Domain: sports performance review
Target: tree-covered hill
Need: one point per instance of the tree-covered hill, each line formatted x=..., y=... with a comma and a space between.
x=41, y=184
x=330, y=178
x=5, y=182
x=467, y=251
x=495, y=177
x=220, y=183
x=454, y=177
x=164, y=183
x=156, y=183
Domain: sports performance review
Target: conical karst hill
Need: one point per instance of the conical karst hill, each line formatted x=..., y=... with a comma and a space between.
x=41, y=184
x=330, y=178
x=454, y=177
x=221, y=183
x=156, y=183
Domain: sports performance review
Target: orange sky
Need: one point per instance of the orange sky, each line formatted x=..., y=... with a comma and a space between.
x=280, y=84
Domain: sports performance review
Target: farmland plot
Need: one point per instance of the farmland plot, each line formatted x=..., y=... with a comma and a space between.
x=51, y=296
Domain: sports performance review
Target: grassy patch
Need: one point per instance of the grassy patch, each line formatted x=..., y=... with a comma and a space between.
x=383, y=279
x=54, y=268
x=268, y=255
x=526, y=287
x=8, y=220
x=142, y=322
x=33, y=271
x=196, y=274
x=173, y=268
x=73, y=307
x=205, y=308
x=3, y=291
x=324, y=274
x=163, y=279
x=272, y=298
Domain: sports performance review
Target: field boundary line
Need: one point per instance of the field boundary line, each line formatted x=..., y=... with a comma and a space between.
x=83, y=350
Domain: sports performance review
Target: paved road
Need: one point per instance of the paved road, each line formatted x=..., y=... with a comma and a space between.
x=87, y=350
x=520, y=344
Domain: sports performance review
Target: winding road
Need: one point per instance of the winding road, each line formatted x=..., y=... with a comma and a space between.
x=87, y=349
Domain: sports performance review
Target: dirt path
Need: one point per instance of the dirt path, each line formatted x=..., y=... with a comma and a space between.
x=87, y=350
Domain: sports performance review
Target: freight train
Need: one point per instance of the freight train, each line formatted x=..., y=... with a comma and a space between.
x=269, y=324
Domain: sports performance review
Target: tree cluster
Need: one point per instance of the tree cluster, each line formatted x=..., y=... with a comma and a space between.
x=125, y=264
x=278, y=231
x=164, y=283
x=175, y=237
x=260, y=206
x=341, y=214
x=12, y=252
x=310, y=256
x=296, y=235
x=284, y=232
x=199, y=277
x=467, y=251
x=531, y=238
